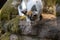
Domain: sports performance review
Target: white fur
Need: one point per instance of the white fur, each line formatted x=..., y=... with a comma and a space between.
x=28, y=5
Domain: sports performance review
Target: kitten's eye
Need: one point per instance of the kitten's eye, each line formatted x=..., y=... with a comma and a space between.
x=33, y=17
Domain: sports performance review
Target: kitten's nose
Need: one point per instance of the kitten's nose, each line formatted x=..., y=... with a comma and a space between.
x=33, y=18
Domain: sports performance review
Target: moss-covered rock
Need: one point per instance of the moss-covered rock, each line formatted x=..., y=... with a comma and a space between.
x=9, y=11
x=5, y=36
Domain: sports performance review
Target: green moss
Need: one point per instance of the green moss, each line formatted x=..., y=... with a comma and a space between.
x=15, y=23
x=5, y=36
x=57, y=14
x=8, y=16
x=12, y=25
x=8, y=12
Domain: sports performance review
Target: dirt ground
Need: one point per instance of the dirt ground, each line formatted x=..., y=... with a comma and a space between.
x=55, y=21
x=48, y=16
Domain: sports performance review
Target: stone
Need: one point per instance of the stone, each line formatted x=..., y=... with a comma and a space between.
x=13, y=37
